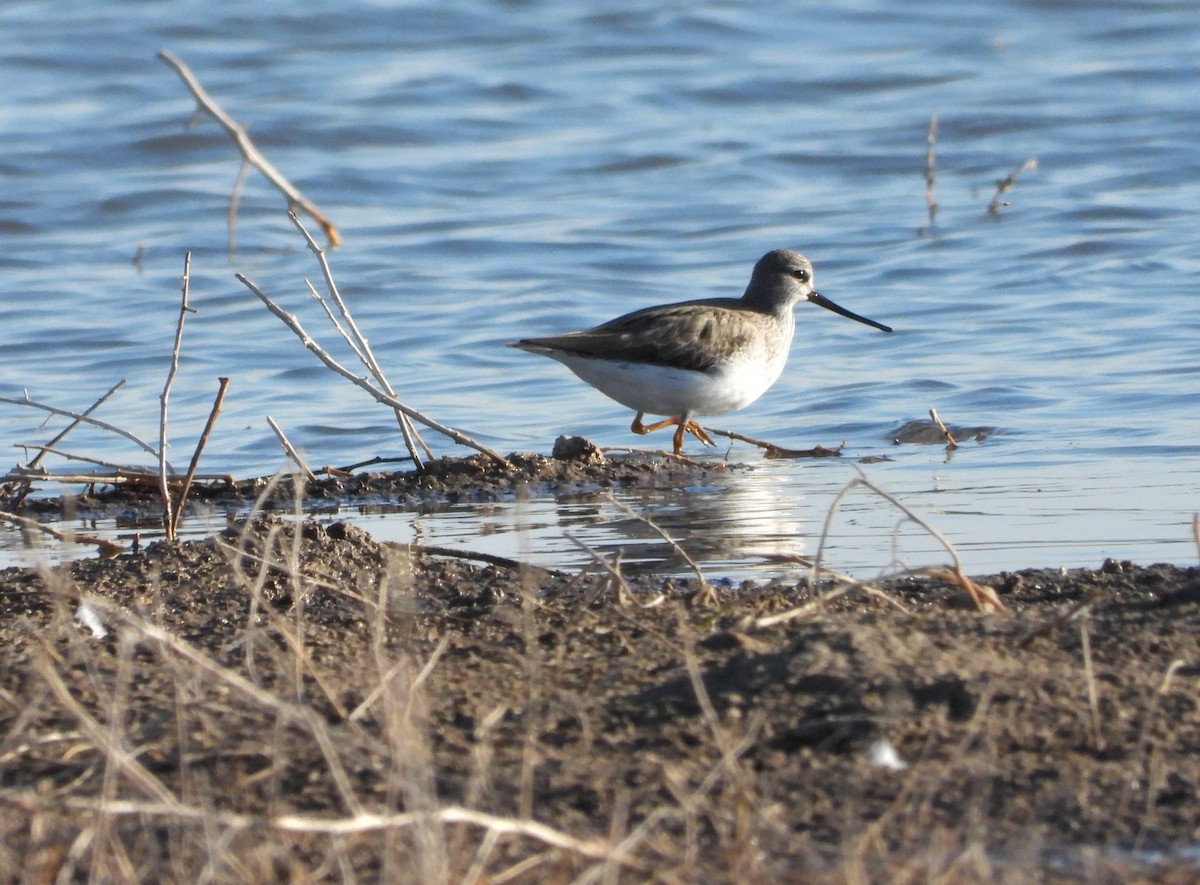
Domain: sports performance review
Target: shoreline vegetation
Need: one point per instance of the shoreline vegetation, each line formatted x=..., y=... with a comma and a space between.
x=290, y=701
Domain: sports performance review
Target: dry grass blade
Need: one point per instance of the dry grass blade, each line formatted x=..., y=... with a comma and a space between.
x=170, y=644
x=250, y=154
x=1089, y=675
x=984, y=598
x=707, y=593
x=357, y=824
x=623, y=593
x=121, y=758
x=845, y=585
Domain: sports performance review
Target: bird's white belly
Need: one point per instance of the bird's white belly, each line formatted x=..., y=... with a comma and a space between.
x=661, y=390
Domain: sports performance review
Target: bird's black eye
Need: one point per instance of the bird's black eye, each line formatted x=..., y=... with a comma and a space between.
x=801, y=274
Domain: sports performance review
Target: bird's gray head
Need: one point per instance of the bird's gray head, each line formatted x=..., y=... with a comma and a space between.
x=780, y=279
x=783, y=277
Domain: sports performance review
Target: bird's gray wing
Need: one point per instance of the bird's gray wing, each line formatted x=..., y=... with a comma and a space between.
x=694, y=335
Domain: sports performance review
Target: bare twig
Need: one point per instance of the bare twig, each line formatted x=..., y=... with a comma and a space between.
x=250, y=154
x=85, y=419
x=200, y=443
x=120, y=476
x=770, y=450
x=49, y=447
x=169, y=520
x=358, y=342
x=105, y=547
x=475, y=556
x=69, y=456
x=1004, y=186
x=931, y=173
x=951, y=443
x=293, y=323
x=290, y=450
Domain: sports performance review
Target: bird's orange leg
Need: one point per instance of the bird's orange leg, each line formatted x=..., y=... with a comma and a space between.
x=681, y=422
x=641, y=429
x=697, y=431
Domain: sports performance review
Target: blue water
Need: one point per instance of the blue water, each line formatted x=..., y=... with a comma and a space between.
x=501, y=169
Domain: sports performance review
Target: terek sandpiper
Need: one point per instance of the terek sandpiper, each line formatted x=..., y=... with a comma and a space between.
x=695, y=358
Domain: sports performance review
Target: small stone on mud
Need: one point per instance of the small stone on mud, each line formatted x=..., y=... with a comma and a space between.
x=577, y=448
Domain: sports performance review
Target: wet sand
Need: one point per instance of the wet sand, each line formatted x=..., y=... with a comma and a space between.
x=273, y=705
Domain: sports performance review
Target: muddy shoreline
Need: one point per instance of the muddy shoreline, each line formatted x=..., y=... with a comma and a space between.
x=272, y=704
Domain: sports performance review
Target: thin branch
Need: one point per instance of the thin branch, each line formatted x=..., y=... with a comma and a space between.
x=358, y=342
x=69, y=456
x=105, y=547
x=770, y=450
x=85, y=419
x=951, y=443
x=293, y=323
x=250, y=153
x=288, y=449
x=169, y=520
x=63, y=433
x=191, y=471
x=120, y=476
x=1007, y=184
